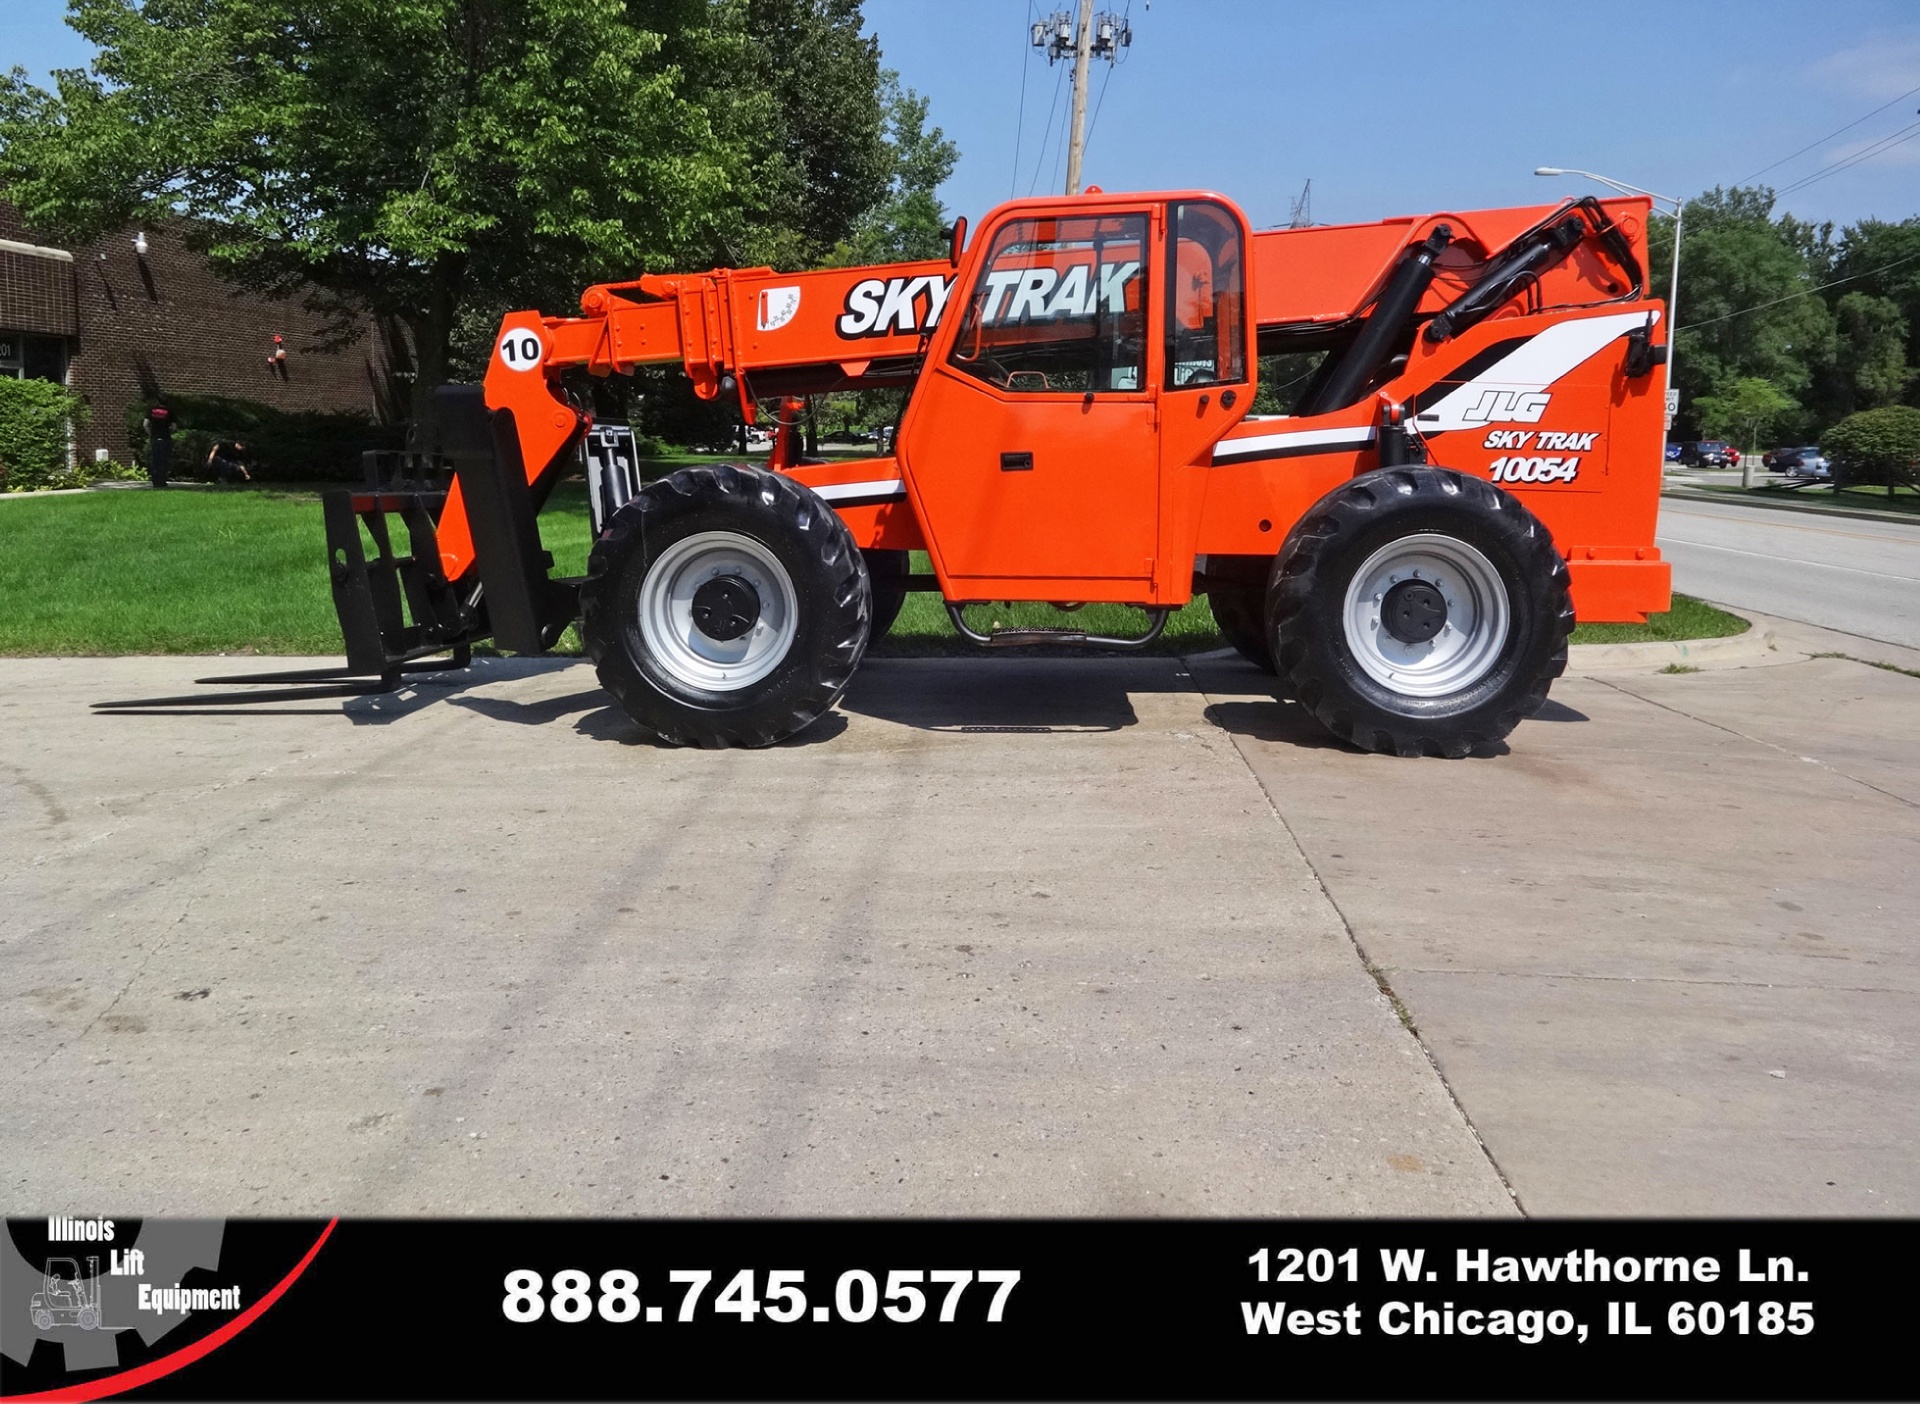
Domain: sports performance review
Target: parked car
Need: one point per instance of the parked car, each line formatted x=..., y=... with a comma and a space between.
x=1802, y=463
x=1674, y=451
x=1709, y=453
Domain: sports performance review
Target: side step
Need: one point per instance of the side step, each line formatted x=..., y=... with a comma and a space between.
x=1027, y=637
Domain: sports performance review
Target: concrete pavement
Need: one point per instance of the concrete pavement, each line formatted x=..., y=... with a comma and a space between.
x=1663, y=950
x=1861, y=577
x=1003, y=937
x=1007, y=935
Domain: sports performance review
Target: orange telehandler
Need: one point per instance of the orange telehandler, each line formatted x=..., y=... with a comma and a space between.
x=1473, y=461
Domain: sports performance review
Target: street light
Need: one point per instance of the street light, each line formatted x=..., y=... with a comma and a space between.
x=1673, y=291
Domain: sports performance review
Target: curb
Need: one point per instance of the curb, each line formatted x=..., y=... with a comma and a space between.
x=1805, y=509
x=1755, y=643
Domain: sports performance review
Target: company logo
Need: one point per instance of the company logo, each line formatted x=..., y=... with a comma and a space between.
x=1052, y=294
x=1509, y=406
x=890, y=306
x=777, y=306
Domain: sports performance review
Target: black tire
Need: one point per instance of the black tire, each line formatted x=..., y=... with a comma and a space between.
x=885, y=569
x=1307, y=611
x=1241, y=613
x=828, y=627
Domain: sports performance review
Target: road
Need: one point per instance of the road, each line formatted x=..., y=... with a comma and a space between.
x=1852, y=574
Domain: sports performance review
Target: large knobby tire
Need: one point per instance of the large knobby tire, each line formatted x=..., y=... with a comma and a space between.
x=725, y=606
x=1240, y=611
x=1420, y=611
x=886, y=570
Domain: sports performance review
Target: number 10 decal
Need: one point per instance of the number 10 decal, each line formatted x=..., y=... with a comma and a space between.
x=522, y=349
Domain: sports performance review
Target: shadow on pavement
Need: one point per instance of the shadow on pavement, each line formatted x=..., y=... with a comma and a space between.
x=998, y=695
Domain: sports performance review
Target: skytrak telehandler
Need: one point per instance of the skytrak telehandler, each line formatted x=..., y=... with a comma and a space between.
x=1475, y=460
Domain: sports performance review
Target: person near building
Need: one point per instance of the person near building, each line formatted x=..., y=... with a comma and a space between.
x=159, y=444
x=227, y=462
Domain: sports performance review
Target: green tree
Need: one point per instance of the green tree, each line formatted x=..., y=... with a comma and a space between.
x=1870, y=351
x=1882, y=260
x=1745, y=312
x=909, y=221
x=1746, y=412
x=1876, y=446
x=436, y=161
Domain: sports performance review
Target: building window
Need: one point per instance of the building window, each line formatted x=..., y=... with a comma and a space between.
x=32, y=357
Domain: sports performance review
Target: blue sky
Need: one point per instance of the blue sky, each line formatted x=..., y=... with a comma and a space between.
x=1394, y=106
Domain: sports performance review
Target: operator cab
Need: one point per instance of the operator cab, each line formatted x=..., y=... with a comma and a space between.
x=1101, y=345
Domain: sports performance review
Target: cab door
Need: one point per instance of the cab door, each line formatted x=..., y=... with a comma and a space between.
x=1207, y=385
x=1030, y=445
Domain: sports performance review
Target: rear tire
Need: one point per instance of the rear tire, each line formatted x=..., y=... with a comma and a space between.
x=1420, y=611
x=885, y=569
x=1241, y=613
x=725, y=606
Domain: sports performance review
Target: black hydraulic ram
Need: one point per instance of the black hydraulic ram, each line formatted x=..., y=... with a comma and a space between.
x=1384, y=326
x=1528, y=256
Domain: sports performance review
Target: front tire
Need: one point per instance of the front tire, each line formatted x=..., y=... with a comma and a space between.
x=1420, y=611
x=725, y=606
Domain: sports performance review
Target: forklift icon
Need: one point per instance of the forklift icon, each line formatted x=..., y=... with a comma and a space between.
x=67, y=1299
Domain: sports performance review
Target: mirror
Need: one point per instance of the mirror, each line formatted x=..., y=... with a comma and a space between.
x=959, y=241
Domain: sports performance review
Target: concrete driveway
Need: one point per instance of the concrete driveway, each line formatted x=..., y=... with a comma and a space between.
x=1006, y=936
x=1003, y=937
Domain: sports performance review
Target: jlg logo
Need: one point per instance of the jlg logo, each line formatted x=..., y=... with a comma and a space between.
x=887, y=306
x=1511, y=406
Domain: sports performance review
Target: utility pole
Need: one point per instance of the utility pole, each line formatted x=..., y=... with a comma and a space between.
x=1082, y=52
x=1086, y=37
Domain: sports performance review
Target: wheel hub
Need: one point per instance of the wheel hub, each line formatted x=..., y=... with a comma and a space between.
x=1413, y=611
x=725, y=608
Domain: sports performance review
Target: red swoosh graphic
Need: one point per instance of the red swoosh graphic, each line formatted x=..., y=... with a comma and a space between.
x=179, y=1359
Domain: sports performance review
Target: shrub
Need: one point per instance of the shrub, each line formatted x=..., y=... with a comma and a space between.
x=36, y=419
x=1876, y=446
x=286, y=445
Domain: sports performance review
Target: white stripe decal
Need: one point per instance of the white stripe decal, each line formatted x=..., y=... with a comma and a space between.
x=840, y=492
x=1353, y=436
x=1532, y=367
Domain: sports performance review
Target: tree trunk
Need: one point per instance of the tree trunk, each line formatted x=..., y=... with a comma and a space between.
x=432, y=332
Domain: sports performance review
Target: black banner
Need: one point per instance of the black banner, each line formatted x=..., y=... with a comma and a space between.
x=955, y=1309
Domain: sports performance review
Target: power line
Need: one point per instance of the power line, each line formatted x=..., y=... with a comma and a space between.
x=1041, y=160
x=1808, y=292
x=1094, y=125
x=1886, y=143
x=1827, y=138
x=1013, y=186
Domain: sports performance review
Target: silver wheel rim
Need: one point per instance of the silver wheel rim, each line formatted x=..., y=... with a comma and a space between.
x=677, y=645
x=1479, y=616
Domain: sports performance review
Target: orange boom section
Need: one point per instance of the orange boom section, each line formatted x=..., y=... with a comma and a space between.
x=751, y=332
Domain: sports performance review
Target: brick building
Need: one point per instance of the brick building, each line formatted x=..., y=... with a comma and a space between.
x=123, y=327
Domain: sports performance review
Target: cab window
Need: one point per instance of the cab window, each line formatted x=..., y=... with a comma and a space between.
x=1059, y=308
x=1206, y=297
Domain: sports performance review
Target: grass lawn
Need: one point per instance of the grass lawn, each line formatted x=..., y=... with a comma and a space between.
x=1904, y=499
x=221, y=570
x=1688, y=619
